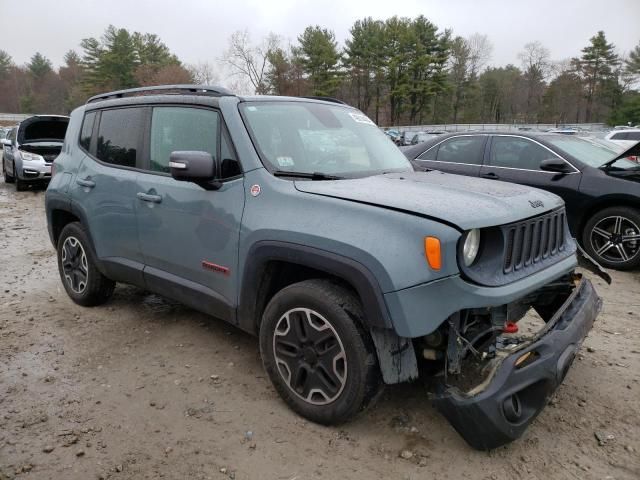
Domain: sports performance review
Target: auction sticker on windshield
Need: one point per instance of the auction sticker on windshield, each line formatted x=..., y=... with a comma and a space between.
x=360, y=118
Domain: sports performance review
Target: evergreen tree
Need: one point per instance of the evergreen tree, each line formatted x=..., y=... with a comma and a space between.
x=318, y=55
x=5, y=64
x=596, y=67
x=39, y=65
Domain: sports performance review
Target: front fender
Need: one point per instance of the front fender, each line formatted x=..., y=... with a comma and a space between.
x=351, y=271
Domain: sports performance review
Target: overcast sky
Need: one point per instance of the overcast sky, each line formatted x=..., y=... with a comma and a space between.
x=197, y=30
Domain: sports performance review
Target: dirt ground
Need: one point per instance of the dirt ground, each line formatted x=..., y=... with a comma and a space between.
x=144, y=388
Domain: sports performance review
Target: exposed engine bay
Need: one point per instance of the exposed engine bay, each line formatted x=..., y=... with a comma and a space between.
x=472, y=343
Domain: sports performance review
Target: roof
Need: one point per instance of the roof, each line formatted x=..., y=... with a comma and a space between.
x=209, y=90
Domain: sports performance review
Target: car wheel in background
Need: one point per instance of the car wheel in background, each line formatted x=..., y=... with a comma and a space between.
x=82, y=280
x=317, y=354
x=7, y=178
x=612, y=237
x=21, y=185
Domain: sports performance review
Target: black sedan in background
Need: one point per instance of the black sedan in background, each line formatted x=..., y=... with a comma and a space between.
x=600, y=185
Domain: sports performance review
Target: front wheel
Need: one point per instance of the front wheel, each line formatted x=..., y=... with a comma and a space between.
x=82, y=280
x=21, y=185
x=7, y=178
x=612, y=238
x=319, y=358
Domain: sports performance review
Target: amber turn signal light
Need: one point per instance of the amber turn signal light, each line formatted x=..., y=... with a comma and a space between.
x=432, y=252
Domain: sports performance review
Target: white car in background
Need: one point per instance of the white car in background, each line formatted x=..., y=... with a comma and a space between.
x=626, y=138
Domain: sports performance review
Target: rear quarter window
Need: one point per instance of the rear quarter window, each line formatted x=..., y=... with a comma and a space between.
x=87, y=130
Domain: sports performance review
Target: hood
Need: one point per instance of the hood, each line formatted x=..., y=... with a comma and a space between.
x=633, y=151
x=43, y=128
x=465, y=202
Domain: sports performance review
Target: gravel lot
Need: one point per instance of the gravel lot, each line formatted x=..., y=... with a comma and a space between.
x=144, y=388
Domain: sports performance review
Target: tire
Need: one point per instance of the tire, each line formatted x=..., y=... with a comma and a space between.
x=21, y=185
x=7, y=178
x=316, y=352
x=77, y=266
x=612, y=238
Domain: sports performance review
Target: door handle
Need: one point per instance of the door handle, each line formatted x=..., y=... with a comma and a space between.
x=148, y=197
x=86, y=182
x=491, y=176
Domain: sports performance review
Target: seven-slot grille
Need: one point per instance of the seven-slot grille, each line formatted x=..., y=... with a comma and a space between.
x=534, y=240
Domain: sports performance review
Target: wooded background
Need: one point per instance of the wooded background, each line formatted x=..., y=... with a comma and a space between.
x=399, y=71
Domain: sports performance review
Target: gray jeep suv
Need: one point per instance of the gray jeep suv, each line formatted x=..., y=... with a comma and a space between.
x=297, y=220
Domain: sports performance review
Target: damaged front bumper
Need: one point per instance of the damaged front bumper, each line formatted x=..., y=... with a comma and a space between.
x=500, y=410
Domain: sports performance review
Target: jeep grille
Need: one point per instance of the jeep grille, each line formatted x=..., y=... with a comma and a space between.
x=534, y=240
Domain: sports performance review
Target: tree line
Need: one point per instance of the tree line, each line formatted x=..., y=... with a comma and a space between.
x=398, y=71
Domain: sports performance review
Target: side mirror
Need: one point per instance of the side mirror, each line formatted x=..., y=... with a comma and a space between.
x=555, y=165
x=6, y=142
x=197, y=167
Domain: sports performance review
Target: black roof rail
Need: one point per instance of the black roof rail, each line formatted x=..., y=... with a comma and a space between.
x=172, y=89
x=326, y=99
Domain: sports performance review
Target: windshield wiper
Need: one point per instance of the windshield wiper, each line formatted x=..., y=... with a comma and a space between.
x=309, y=175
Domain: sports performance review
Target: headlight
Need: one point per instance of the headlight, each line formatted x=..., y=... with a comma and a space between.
x=30, y=156
x=471, y=247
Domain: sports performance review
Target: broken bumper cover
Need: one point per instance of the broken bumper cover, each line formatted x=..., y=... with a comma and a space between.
x=519, y=390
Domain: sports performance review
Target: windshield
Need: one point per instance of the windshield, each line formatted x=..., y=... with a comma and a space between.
x=318, y=138
x=592, y=153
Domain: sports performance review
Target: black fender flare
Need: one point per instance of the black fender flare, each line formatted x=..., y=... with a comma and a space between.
x=347, y=269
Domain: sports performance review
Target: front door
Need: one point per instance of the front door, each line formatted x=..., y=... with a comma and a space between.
x=517, y=159
x=189, y=236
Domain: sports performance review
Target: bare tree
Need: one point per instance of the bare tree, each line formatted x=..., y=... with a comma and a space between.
x=480, y=49
x=536, y=57
x=536, y=67
x=203, y=73
x=250, y=61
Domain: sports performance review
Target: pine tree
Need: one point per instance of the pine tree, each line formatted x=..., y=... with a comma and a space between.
x=596, y=67
x=318, y=54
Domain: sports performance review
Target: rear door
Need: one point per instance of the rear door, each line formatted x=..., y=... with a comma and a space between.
x=189, y=236
x=105, y=187
x=517, y=159
x=461, y=154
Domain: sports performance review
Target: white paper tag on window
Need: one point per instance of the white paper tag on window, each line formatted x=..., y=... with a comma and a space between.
x=360, y=118
x=285, y=161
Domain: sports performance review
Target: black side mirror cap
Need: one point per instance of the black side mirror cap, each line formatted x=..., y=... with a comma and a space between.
x=195, y=166
x=555, y=165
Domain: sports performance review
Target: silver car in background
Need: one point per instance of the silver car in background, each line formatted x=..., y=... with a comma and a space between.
x=30, y=149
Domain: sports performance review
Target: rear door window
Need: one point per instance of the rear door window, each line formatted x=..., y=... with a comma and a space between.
x=465, y=149
x=120, y=136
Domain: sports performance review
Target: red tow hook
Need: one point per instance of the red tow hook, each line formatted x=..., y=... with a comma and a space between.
x=510, y=327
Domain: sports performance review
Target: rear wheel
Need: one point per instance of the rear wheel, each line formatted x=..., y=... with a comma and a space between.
x=612, y=237
x=77, y=266
x=319, y=358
